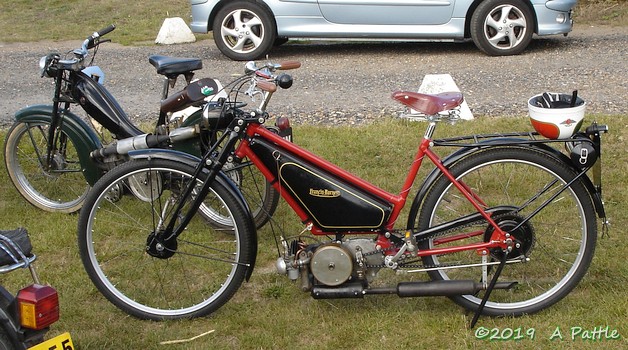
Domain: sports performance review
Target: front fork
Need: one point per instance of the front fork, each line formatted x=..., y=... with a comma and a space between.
x=57, y=140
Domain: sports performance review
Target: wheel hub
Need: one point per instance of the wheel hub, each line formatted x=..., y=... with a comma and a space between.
x=522, y=235
x=158, y=248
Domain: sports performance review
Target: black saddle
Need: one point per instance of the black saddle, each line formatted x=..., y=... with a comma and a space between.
x=173, y=66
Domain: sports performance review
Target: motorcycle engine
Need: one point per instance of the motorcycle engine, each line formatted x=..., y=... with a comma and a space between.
x=333, y=264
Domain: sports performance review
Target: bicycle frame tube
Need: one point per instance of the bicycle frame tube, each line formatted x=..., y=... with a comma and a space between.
x=397, y=201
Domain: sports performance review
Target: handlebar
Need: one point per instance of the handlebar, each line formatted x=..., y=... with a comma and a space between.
x=92, y=38
x=266, y=69
x=80, y=54
x=289, y=65
x=263, y=82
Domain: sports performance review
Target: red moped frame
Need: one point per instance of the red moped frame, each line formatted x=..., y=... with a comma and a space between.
x=256, y=131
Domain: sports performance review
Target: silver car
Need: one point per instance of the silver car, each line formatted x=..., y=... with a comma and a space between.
x=246, y=30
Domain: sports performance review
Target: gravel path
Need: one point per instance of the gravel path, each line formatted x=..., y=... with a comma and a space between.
x=351, y=83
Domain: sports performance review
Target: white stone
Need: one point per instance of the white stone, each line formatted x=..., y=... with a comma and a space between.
x=437, y=83
x=174, y=31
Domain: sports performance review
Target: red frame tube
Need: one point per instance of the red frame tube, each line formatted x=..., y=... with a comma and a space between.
x=398, y=201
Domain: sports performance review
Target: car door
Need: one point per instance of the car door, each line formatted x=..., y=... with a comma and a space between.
x=387, y=12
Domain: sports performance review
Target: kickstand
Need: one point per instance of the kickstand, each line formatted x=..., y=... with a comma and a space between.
x=489, y=289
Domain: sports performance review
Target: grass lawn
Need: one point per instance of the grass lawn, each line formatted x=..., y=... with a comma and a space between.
x=271, y=312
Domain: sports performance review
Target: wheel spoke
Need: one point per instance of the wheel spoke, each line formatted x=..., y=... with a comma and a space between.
x=128, y=258
x=556, y=234
x=498, y=38
x=59, y=187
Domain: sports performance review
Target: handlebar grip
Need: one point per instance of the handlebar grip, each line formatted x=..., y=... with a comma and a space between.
x=289, y=65
x=267, y=86
x=98, y=34
x=107, y=30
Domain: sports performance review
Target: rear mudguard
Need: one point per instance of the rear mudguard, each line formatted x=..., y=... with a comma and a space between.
x=84, y=138
x=7, y=317
x=466, y=151
x=188, y=159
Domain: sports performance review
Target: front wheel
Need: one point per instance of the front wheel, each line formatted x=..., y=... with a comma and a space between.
x=144, y=273
x=55, y=185
x=502, y=27
x=559, y=240
x=244, y=30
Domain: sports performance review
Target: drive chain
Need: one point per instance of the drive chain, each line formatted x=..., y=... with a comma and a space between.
x=400, y=263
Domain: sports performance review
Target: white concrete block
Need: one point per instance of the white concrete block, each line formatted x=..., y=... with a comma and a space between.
x=174, y=31
x=437, y=83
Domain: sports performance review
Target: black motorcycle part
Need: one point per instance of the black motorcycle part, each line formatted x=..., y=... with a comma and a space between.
x=159, y=248
x=331, y=202
x=438, y=288
x=103, y=107
x=224, y=180
x=284, y=81
x=173, y=66
x=583, y=154
x=20, y=240
x=406, y=289
x=348, y=290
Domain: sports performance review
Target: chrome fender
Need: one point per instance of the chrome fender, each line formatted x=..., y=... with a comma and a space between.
x=84, y=138
x=188, y=159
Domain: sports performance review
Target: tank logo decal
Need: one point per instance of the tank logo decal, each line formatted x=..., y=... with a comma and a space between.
x=341, y=190
x=324, y=193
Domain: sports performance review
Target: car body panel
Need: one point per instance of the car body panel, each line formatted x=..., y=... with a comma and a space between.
x=403, y=19
x=406, y=20
x=387, y=12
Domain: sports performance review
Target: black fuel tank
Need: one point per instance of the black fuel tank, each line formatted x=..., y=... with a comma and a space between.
x=103, y=107
x=332, y=203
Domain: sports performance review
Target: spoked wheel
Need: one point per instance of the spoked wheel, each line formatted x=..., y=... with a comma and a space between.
x=559, y=240
x=260, y=196
x=56, y=186
x=146, y=273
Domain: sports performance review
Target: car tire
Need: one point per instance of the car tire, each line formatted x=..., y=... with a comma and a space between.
x=244, y=30
x=502, y=27
x=280, y=41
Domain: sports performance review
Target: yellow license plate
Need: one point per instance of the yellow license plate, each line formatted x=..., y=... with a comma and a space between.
x=60, y=342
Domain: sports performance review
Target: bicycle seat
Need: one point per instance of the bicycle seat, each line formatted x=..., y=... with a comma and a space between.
x=429, y=104
x=169, y=66
x=13, y=243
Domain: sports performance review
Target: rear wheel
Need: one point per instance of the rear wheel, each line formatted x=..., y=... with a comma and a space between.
x=559, y=240
x=244, y=30
x=144, y=273
x=56, y=186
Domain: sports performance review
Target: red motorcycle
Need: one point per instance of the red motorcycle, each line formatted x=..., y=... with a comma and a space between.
x=505, y=225
x=26, y=317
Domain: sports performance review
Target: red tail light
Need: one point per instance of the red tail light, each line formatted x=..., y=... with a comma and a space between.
x=282, y=123
x=38, y=306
